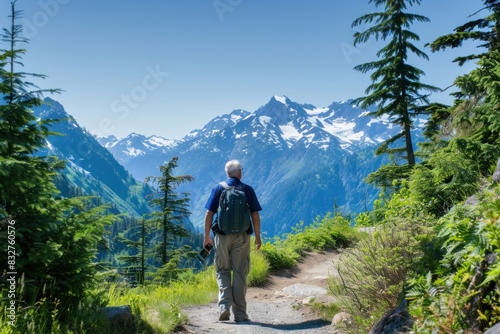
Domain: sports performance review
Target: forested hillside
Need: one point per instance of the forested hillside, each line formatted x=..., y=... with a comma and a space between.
x=89, y=170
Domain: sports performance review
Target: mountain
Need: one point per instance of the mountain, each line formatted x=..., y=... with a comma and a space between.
x=90, y=168
x=302, y=160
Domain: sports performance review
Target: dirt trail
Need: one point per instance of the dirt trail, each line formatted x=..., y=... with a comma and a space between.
x=278, y=306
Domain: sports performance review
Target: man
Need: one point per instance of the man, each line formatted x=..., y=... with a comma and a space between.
x=232, y=251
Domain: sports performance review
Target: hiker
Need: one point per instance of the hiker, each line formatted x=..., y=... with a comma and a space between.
x=232, y=245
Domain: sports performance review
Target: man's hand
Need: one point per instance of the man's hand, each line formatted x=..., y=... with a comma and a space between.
x=207, y=241
x=256, y=229
x=258, y=243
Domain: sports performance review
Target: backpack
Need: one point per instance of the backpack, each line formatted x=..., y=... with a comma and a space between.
x=233, y=214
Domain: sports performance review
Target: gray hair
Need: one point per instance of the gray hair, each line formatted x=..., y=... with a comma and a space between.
x=232, y=168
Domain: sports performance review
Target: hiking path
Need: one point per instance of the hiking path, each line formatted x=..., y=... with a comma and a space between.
x=281, y=305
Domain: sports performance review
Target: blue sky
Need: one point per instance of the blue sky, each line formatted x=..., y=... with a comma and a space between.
x=167, y=67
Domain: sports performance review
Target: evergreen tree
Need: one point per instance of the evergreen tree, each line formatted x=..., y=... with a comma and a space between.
x=465, y=138
x=55, y=239
x=474, y=115
x=485, y=30
x=172, y=207
x=173, y=268
x=396, y=87
x=136, y=242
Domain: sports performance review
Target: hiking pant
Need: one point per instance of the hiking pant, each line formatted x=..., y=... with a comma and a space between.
x=232, y=253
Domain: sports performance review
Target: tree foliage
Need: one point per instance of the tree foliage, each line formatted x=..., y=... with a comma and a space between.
x=171, y=206
x=396, y=86
x=463, y=293
x=452, y=286
x=485, y=30
x=55, y=239
x=136, y=240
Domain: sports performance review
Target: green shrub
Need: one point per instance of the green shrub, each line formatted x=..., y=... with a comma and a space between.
x=463, y=292
x=278, y=257
x=259, y=269
x=46, y=316
x=326, y=233
x=447, y=178
x=372, y=272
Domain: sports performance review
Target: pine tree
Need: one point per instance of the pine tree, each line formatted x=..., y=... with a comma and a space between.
x=468, y=131
x=172, y=207
x=55, y=239
x=21, y=134
x=396, y=87
x=135, y=241
x=486, y=30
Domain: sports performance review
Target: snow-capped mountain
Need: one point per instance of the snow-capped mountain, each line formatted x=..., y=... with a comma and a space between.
x=136, y=145
x=301, y=160
x=285, y=123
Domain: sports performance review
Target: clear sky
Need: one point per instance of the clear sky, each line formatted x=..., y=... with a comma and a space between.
x=167, y=67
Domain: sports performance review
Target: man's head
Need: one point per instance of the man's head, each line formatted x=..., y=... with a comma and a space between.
x=233, y=169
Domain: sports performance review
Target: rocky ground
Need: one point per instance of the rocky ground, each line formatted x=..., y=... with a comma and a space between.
x=280, y=305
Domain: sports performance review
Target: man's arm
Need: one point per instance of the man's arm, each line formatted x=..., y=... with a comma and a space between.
x=209, y=216
x=256, y=229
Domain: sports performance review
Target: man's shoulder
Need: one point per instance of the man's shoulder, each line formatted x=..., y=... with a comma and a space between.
x=232, y=182
x=238, y=184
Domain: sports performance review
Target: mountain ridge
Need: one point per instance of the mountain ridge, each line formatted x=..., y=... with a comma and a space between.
x=91, y=170
x=302, y=160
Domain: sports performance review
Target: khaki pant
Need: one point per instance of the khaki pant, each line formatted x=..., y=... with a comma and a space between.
x=232, y=253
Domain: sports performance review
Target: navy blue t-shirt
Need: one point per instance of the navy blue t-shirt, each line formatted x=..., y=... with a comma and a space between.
x=213, y=200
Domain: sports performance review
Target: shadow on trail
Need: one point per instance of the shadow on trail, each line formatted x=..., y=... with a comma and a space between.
x=310, y=324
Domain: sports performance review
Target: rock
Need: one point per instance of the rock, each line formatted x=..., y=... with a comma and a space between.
x=397, y=321
x=302, y=290
x=308, y=300
x=119, y=318
x=496, y=177
x=496, y=174
x=369, y=230
x=341, y=317
x=472, y=201
x=493, y=330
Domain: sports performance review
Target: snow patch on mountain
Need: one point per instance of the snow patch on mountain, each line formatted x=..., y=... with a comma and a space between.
x=160, y=141
x=80, y=169
x=281, y=99
x=316, y=111
x=290, y=134
x=384, y=119
x=133, y=152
